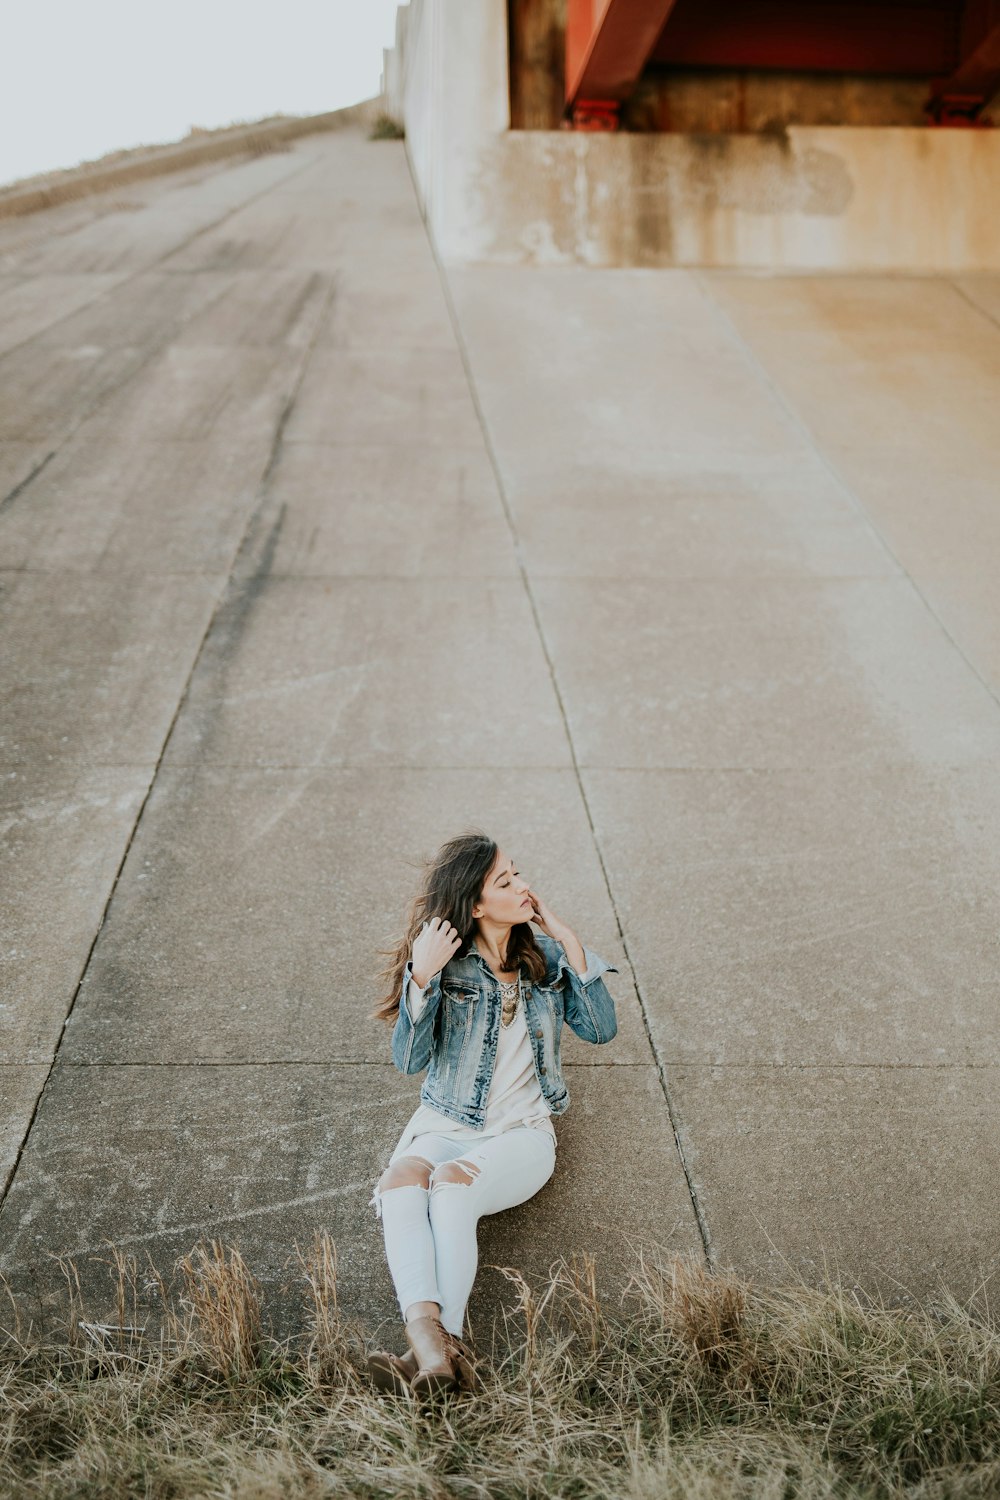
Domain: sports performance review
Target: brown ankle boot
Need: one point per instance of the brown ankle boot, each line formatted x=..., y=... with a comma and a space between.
x=392, y=1372
x=430, y=1343
x=465, y=1363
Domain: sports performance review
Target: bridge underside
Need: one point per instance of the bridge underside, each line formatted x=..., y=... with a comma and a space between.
x=613, y=48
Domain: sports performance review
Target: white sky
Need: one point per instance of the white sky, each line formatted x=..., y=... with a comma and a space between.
x=82, y=77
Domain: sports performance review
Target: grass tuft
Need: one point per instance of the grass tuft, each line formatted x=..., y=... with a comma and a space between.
x=699, y=1385
x=385, y=128
x=224, y=1296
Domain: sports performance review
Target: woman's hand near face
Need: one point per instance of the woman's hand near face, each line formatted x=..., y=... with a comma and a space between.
x=553, y=928
x=544, y=917
x=433, y=946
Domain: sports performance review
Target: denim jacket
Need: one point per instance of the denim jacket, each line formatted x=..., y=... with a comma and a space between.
x=458, y=1026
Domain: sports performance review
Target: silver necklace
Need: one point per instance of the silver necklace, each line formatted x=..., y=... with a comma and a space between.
x=510, y=994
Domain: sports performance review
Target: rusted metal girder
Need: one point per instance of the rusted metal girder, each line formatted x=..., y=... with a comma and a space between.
x=826, y=36
x=608, y=43
x=960, y=99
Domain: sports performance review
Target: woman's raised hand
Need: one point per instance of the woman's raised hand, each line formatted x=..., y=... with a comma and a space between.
x=433, y=946
x=544, y=917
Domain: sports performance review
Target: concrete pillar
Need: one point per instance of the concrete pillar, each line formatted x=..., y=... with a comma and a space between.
x=456, y=102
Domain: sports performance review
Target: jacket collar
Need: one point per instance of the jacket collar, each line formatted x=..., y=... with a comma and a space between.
x=471, y=951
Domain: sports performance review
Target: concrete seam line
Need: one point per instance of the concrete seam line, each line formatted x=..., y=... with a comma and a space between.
x=755, y=1065
x=976, y=306
x=763, y=374
x=696, y=1206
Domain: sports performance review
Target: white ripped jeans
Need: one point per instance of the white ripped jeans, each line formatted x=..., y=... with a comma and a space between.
x=430, y=1232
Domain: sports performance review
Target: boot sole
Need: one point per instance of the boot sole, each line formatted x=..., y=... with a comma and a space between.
x=387, y=1378
x=433, y=1386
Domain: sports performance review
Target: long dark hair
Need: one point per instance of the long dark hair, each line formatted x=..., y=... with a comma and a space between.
x=452, y=883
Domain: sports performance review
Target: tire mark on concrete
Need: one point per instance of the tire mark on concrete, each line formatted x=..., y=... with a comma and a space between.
x=244, y=597
x=156, y=348
x=9, y=498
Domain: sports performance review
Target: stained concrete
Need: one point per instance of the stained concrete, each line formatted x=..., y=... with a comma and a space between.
x=108, y=503
x=759, y=672
x=318, y=671
x=587, y=523
x=21, y=1085
x=225, y=939
x=899, y=358
x=63, y=830
x=826, y=916
x=151, y=1159
x=95, y=663
x=374, y=510
x=312, y=554
x=712, y=187
x=794, y=1189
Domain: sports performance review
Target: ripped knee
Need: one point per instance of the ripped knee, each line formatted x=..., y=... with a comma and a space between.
x=408, y=1171
x=463, y=1173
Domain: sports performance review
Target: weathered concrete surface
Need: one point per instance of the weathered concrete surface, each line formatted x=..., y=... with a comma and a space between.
x=883, y=1178
x=301, y=573
x=854, y=194
x=110, y=571
x=122, y=169
x=316, y=672
x=826, y=917
x=62, y=836
x=21, y=1085
x=155, y=1158
x=834, y=197
x=244, y=885
x=261, y=587
x=761, y=550
x=865, y=366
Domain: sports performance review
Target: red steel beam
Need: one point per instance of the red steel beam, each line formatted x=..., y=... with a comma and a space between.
x=608, y=43
x=854, y=36
x=974, y=82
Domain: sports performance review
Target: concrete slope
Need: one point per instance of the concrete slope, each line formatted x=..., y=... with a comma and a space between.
x=758, y=522
x=268, y=644
x=312, y=555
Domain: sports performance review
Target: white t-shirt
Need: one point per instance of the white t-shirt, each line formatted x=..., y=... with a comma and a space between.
x=515, y=1096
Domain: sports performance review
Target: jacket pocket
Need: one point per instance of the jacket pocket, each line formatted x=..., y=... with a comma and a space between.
x=457, y=1005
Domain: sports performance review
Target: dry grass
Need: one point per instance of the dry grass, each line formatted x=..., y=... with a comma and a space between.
x=385, y=128
x=699, y=1385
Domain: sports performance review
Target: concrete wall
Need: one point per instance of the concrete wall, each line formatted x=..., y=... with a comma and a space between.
x=453, y=103
x=741, y=99
x=394, y=68
x=830, y=197
x=845, y=198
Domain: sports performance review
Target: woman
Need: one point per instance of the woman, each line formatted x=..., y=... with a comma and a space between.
x=479, y=999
